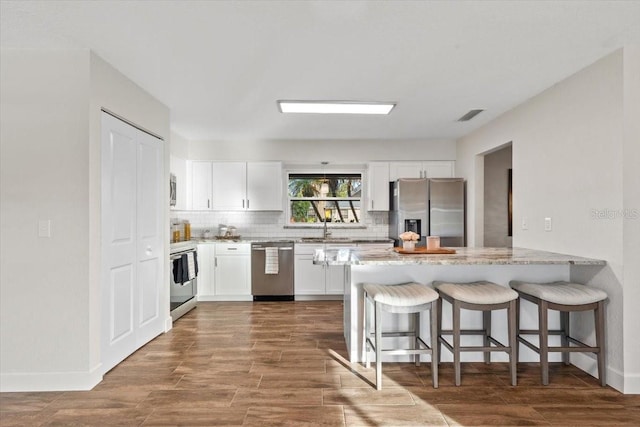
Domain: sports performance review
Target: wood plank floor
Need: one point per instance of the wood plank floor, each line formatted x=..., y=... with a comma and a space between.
x=284, y=363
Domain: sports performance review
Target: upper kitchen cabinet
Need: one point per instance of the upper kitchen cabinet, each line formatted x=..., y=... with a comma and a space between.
x=236, y=186
x=424, y=169
x=229, y=186
x=378, y=186
x=201, y=185
x=264, y=186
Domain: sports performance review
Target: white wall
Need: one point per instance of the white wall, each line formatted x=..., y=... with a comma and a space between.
x=568, y=161
x=317, y=151
x=179, y=146
x=50, y=145
x=44, y=297
x=631, y=220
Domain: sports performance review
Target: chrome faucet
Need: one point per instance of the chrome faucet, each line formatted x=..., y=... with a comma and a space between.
x=327, y=233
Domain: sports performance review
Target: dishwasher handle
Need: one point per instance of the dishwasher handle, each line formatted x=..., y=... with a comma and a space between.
x=285, y=248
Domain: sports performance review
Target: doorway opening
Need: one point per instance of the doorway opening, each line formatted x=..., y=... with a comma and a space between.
x=498, y=197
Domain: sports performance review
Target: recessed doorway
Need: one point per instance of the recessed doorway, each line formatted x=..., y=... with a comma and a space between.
x=498, y=198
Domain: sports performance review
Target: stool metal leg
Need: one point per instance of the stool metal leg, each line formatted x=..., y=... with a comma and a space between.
x=456, y=340
x=513, y=343
x=367, y=332
x=416, y=345
x=600, y=342
x=378, y=345
x=435, y=354
x=439, y=327
x=544, y=341
x=516, y=343
x=486, y=325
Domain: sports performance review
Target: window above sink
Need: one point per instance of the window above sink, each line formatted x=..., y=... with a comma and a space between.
x=319, y=198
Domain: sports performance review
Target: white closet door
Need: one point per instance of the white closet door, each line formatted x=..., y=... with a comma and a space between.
x=149, y=232
x=131, y=240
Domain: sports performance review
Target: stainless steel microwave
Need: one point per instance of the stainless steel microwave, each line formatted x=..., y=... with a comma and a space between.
x=173, y=190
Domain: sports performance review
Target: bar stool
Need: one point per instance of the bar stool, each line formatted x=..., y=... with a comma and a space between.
x=564, y=297
x=480, y=296
x=412, y=298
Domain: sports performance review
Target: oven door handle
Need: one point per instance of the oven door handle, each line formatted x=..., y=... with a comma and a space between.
x=178, y=255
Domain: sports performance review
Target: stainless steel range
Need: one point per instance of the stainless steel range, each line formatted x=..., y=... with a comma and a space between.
x=183, y=286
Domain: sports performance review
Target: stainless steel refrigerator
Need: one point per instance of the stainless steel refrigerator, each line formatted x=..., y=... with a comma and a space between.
x=429, y=207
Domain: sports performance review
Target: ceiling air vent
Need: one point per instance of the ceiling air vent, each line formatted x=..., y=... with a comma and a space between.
x=470, y=115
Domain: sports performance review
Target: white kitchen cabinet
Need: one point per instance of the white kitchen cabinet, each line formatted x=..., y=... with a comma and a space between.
x=439, y=169
x=233, y=271
x=201, y=185
x=405, y=170
x=264, y=186
x=421, y=169
x=317, y=279
x=378, y=186
x=206, y=271
x=236, y=186
x=334, y=280
x=229, y=186
x=309, y=278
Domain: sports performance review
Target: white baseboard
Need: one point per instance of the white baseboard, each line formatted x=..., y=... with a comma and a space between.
x=168, y=324
x=632, y=384
x=212, y=298
x=615, y=378
x=319, y=297
x=50, y=381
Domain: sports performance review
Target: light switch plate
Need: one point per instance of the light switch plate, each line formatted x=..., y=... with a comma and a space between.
x=44, y=228
x=525, y=223
x=547, y=224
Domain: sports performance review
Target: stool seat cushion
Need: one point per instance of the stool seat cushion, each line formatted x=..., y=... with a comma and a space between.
x=403, y=295
x=476, y=292
x=564, y=293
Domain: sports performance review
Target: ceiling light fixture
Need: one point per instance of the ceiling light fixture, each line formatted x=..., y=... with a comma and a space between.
x=335, y=107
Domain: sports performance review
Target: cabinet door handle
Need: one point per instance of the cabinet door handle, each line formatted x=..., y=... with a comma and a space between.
x=208, y=203
x=247, y=203
x=242, y=203
x=372, y=204
x=215, y=261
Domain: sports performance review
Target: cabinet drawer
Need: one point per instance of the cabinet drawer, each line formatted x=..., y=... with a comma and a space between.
x=306, y=248
x=233, y=249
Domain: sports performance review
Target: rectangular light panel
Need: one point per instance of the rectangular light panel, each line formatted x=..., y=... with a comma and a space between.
x=335, y=107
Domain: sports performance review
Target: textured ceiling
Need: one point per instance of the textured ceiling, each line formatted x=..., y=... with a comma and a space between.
x=220, y=66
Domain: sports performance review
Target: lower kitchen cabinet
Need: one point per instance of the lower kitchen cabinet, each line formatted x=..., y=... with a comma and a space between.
x=225, y=272
x=206, y=273
x=315, y=279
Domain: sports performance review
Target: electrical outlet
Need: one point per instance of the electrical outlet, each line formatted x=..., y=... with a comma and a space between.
x=44, y=228
x=525, y=223
x=547, y=224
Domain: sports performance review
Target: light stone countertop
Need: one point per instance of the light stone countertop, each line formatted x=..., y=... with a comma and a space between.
x=463, y=256
x=298, y=240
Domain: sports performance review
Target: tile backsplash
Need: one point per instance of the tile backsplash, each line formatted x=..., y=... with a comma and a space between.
x=272, y=224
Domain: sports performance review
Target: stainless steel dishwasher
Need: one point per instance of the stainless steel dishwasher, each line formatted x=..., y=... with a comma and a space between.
x=272, y=271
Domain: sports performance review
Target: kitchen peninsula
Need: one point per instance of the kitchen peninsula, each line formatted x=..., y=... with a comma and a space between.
x=499, y=265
